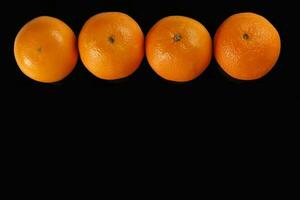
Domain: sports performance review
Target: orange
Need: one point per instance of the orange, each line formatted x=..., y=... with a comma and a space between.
x=45, y=49
x=111, y=45
x=247, y=46
x=178, y=48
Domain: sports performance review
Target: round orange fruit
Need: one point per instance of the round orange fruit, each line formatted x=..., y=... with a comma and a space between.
x=45, y=49
x=111, y=45
x=247, y=46
x=178, y=48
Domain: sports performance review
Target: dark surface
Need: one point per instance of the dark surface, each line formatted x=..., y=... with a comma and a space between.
x=145, y=84
x=212, y=111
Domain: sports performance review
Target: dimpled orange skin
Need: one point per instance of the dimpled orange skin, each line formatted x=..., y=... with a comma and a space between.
x=247, y=46
x=178, y=48
x=46, y=49
x=111, y=45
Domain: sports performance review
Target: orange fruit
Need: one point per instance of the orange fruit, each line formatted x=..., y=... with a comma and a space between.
x=178, y=48
x=45, y=49
x=247, y=46
x=111, y=45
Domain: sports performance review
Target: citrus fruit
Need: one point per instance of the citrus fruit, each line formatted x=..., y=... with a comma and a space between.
x=111, y=45
x=247, y=46
x=45, y=49
x=178, y=48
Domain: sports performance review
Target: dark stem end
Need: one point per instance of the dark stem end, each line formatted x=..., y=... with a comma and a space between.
x=111, y=39
x=177, y=37
x=246, y=36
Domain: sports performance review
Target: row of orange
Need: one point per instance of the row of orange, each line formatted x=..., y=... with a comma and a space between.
x=112, y=46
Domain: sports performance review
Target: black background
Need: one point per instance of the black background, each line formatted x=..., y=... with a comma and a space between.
x=198, y=107
x=82, y=111
x=144, y=87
